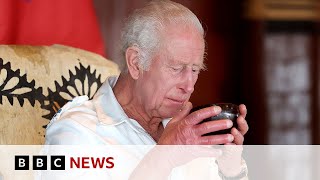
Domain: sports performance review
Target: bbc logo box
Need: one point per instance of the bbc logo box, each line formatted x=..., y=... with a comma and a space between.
x=22, y=162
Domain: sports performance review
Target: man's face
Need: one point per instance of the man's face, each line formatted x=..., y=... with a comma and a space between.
x=170, y=80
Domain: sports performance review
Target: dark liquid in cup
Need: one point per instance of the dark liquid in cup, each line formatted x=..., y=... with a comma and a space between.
x=228, y=111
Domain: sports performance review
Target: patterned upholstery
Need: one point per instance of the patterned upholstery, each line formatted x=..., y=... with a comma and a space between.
x=35, y=81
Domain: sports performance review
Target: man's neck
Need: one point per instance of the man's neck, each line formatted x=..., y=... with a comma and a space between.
x=124, y=92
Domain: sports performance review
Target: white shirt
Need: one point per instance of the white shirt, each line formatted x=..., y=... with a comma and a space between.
x=102, y=121
x=98, y=121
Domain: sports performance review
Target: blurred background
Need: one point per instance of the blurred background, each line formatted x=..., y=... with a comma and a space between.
x=262, y=53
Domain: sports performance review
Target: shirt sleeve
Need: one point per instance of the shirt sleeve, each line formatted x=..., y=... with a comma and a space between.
x=72, y=138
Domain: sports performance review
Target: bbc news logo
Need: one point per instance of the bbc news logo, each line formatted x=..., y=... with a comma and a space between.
x=21, y=162
x=39, y=163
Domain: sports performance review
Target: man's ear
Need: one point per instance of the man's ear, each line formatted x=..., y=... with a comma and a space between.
x=132, y=60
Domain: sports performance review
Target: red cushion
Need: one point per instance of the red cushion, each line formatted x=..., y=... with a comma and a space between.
x=39, y=22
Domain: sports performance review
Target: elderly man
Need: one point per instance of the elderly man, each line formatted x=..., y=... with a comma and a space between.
x=163, y=47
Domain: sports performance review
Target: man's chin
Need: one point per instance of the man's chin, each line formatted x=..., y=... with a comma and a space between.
x=170, y=112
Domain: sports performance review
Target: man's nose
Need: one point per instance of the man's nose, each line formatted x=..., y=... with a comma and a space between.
x=187, y=83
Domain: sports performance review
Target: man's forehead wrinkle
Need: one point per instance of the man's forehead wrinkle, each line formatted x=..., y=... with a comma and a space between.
x=177, y=62
x=169, y=53
x=184, y=60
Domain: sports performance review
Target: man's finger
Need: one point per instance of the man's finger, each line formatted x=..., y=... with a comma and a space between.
x=242, y=125
x=216, y=139
x=238, y=137
x=243, y=110
x=197, y=116
x=212, y=126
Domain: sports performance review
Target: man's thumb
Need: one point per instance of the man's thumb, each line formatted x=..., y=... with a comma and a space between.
x=183, y=112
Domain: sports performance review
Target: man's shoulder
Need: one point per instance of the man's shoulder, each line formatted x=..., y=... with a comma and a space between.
x=73, y=124
x=80, y=109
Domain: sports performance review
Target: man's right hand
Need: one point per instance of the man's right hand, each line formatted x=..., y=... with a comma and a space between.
x=184, y=128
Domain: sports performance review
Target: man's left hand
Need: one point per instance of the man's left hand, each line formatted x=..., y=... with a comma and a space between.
x=243, y=127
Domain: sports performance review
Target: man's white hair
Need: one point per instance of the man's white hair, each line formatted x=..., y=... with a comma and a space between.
x=146, y=25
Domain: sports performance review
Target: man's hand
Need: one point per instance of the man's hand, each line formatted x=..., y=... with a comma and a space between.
x=243, y=127
x=184, y=128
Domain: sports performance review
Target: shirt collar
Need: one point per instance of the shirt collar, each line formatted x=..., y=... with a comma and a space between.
x=108, y=109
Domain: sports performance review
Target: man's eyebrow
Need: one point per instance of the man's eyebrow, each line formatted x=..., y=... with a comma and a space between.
x=202, y=66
